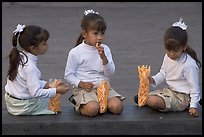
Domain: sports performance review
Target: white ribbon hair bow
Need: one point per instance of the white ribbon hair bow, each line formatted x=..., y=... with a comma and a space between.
x=19, y=28
x=180, y=24
x=86, y=12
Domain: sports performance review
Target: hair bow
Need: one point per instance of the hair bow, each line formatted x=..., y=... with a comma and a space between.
x=19, y=28
x=86, y=12
x=180, y=24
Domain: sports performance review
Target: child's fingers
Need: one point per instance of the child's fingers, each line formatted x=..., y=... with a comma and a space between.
x=193, y=112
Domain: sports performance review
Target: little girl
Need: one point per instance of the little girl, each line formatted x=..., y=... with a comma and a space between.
x=88, y=64
x=180, y=70
x=26, y=93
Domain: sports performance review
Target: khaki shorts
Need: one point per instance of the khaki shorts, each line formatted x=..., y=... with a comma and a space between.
x=81, y=96
x=174, y=101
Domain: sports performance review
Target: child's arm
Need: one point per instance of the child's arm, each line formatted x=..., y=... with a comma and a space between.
x=62, y=88
x=102, y=54
x=106, y=57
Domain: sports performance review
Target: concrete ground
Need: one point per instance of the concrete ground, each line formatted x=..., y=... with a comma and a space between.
x=134, y=34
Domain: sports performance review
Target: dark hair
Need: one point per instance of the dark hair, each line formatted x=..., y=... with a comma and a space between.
x=91, y=21
x=30, y=36
x=175, y=38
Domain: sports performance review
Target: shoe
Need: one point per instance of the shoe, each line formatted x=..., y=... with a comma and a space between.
x=200, y=101
x=72, y=100
x=136, y=99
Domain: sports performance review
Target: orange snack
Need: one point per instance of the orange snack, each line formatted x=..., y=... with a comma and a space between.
x=97, y=44
x=55, y=103
x=102, y=94
x=143, y=92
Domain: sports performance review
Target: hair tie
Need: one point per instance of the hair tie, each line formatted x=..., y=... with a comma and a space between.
x=19, y=29
x=86, y=12
x=180, y=24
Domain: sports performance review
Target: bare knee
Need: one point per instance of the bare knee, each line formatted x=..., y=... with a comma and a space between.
x=89, y=109
x=115, y=105
x=156, y=102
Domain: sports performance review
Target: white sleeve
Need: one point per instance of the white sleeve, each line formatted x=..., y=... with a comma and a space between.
x=159, y=78
x=109, y=68
x=192, y=77
x=36, y=86
x=70, y=69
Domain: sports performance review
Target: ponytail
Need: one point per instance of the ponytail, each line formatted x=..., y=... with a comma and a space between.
x=14, y=59
x=193, y=54
x=80, y=39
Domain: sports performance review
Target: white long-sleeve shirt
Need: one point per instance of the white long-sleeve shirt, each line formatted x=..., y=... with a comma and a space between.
x=181, y=75
x=85, y=64
x=27, y=84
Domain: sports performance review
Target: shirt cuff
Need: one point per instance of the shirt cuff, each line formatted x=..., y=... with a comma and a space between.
x=76, y=83
x=193, y=105
x=53, y=92
x=155, y=80
x=42, y=83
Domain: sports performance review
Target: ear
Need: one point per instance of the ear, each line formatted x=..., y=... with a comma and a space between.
x=84, y=33
x=33, y=49
x=185, y=47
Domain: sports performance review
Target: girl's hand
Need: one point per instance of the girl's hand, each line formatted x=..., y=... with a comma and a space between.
x=101, y=53
x=193, y=112
x=151, y=80
x=55, y=82
x=62, y=88
x=88, y=86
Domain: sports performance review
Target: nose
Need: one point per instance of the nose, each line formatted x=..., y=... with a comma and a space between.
x=99, y=36
x=171, y=53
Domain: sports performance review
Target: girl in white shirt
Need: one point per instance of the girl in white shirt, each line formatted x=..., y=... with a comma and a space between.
x=180, y=70
x=26, y=93
x=88, y=64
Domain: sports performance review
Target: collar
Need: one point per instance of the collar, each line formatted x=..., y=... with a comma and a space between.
x=88, y=46
x=31, y=56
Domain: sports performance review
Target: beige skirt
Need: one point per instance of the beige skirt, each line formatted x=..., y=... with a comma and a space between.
x=82, y=96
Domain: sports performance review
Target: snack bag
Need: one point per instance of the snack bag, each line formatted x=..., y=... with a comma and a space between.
x=102, y=94
x=55, y=103
x=143, y=91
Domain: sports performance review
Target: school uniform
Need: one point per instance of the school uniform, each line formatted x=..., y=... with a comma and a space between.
x=25, y=95
x=182, y=78
x=85, y=64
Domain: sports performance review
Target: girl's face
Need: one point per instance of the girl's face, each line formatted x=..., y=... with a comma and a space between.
x=175, y=54
x=40, y=49
x=92, y=37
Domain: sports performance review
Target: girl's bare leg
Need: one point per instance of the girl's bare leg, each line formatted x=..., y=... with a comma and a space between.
x=90, y=109
x=156, y=102
x=115, y=105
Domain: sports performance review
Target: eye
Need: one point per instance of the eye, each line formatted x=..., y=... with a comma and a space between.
x=176, y=50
